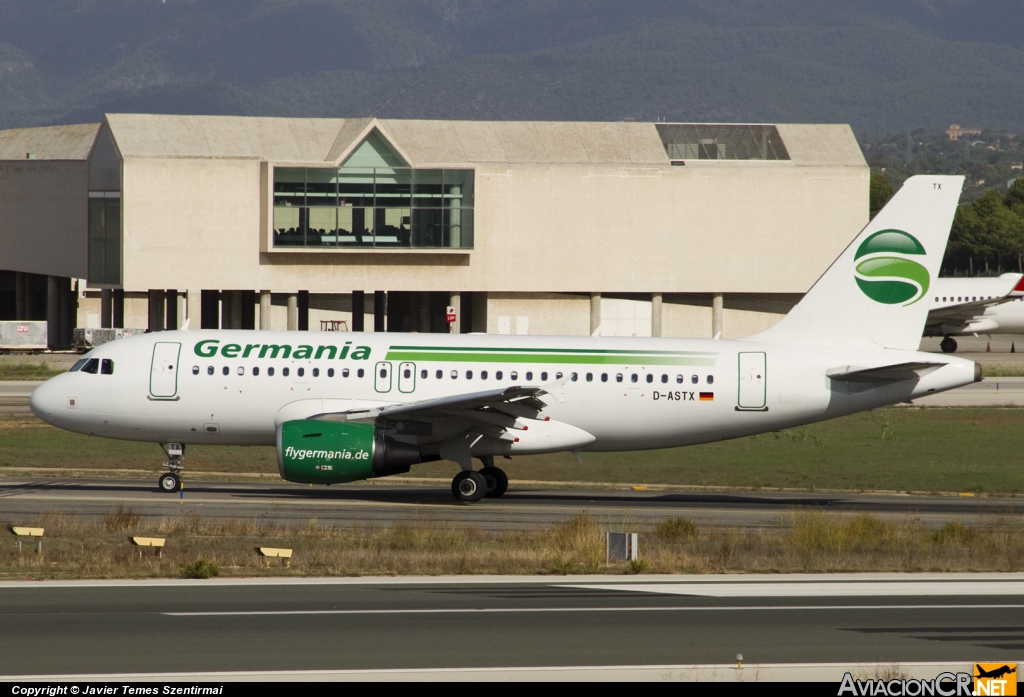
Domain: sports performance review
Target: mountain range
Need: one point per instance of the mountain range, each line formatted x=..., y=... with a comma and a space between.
x=883, y=66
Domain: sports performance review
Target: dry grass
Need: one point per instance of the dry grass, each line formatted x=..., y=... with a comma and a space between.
x=803, y=542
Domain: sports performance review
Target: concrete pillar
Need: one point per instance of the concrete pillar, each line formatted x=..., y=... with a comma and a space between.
x=265, y=306
x=595, y=312
x=303, y=310
x=182, y=308
x=157, y=301
x=233, y=309
x=424, y=312
x=455, y=300
x=380, y=311
x=52, y=311
x=293, y=312
x=107, y=308
x=656, y=314
x=172, y=311
x=194, y=308
x=117, y=309
x=716, y=315
x=358, y=310
x=20, y=296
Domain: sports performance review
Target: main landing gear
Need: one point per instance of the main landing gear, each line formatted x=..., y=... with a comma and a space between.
x=948, y=345
x=470, y=486
x=170, y=482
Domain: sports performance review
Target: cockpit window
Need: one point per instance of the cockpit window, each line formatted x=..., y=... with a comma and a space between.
x=92, y=366
x=107, y=367
x=78, y=366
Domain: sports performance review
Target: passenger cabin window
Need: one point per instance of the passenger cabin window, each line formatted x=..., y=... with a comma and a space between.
x=483, y=374
x=360, y=373
x=694, y=379
x=455, y=374
x=330, y=372
x=241, y=370
x=469, y=374
x=316, y=372
x=285, y=371
x=514, y=375
x=590, y=377
x=195, y=370
x=664, y=378
x=574, y=377
x=407, y=373
x=544, y=376
x=209, y=370
x=634, y=377
x=92, y=366
x=344, y=372
x=679, y=379
x=256, y=370
x=225, y=370
x=497, y=375
x=650, y=377
x=423, y=374
x=270, y=372
x=301, y=372
x=439, y=374
x=711, y=379
x=529, y=375
x=618, y=377
x=604, y=377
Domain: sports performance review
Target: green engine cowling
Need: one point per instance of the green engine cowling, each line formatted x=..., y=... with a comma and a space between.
x=329, y=452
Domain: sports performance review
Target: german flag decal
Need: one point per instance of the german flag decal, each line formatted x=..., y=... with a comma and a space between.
x=707, y=396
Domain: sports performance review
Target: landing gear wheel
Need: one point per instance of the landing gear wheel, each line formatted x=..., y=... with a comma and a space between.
x=170, y=482
x=948, y=345
x=469, y=486
x=497, y=481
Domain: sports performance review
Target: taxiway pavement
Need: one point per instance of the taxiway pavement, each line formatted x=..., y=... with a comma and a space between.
x=659, y=627
x=24, y=500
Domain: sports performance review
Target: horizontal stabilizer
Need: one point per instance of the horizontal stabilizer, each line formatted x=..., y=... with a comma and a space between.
x=882, y=374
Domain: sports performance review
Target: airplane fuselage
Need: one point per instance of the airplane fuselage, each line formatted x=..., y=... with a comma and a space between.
x=235, y=387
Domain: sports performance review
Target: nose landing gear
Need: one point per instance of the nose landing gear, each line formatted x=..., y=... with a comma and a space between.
x=170, y=482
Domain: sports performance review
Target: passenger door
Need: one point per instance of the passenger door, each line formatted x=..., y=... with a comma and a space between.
x=163, y=376
x=406, y=377
x=382, y=377
x=753, y=379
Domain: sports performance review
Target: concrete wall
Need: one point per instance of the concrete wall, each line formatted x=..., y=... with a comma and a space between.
x=44, y=217
x=764, y=227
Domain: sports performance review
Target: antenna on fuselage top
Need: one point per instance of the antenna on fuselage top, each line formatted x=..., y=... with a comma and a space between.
x=184, y=325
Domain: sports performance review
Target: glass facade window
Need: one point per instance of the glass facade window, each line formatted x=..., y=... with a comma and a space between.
x=105, y=237
x=694, y=141
x=376, y=207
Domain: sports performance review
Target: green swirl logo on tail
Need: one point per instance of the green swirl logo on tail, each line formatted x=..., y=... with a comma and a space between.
x=885, y=274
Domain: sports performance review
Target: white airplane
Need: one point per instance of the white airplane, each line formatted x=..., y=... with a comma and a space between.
x=344, y=407
x=963, y=306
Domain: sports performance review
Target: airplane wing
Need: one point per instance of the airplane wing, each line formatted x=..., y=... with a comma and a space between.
x=882, y=374
x=953, y=319
x=492, y=413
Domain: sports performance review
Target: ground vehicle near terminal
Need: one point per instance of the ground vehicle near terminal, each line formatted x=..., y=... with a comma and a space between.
x=376, y=404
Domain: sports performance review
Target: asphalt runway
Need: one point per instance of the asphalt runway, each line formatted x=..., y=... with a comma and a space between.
x=23, y=501
x=327, y=628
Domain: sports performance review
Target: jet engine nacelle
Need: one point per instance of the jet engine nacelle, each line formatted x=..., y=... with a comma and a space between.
x=329, y=452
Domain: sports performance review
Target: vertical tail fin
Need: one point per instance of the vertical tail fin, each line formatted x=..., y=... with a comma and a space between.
x=876, y=291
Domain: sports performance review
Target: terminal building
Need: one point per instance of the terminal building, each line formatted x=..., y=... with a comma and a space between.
x=366, y=224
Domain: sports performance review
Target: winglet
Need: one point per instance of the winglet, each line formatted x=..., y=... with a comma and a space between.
x=184, y=325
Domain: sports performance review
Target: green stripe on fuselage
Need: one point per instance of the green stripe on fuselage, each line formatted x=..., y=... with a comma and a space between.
x=560, y=356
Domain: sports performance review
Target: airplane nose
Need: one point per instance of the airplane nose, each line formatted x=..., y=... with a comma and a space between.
x=41, y=401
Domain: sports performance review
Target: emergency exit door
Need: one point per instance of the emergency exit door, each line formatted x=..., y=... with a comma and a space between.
x=753, y=381
x=406, y=377
x=163, y=376
x=382, y=377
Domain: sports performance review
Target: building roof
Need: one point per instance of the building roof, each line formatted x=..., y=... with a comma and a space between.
x=49, y=143
x=422, y=143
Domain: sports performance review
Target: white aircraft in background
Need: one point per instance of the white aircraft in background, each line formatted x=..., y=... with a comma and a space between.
x=962, y=306
x=344, y=407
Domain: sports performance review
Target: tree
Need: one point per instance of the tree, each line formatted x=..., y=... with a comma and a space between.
x=879, y=194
